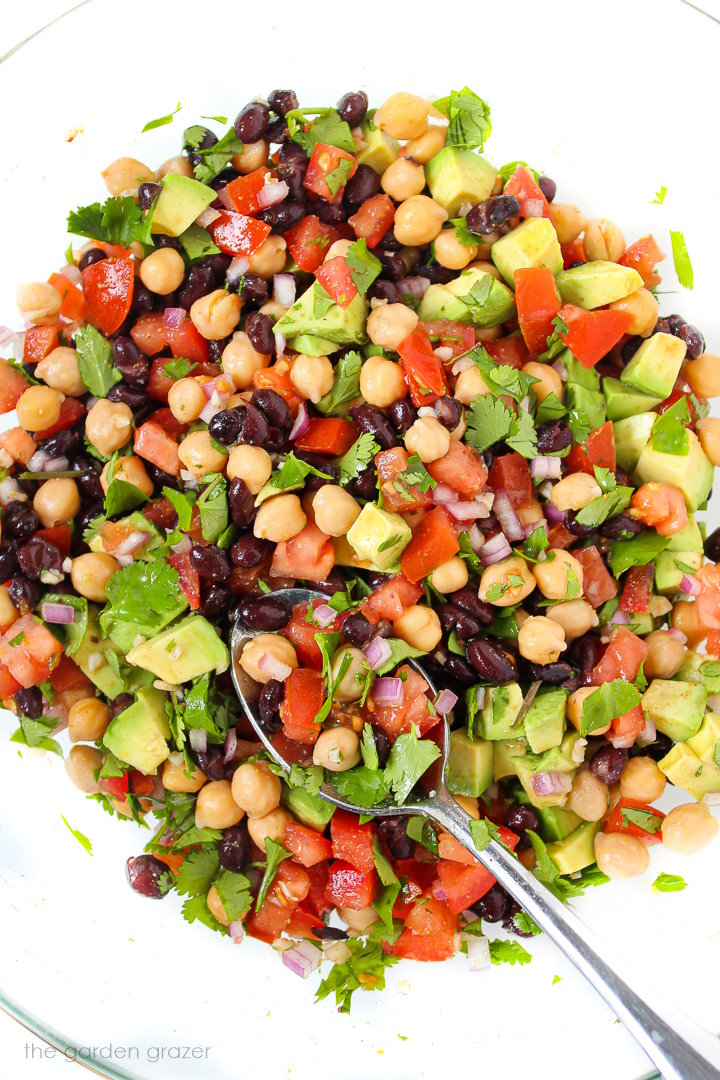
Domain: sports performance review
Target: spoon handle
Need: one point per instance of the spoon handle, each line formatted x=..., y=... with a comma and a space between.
x=657, y=1032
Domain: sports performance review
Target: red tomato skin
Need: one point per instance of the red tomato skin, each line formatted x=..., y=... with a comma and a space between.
x=308, y=846
x=433, y=543
x=304, y=695
x=538, y=304
x=573, y=253
x=463, y=885
x=108, y=287
x=317, y=901
x=73, y=305
x=18, y=444
x=431, y=916
x=348, y=887
x=8, y=684
x=510, y=350
x=32, y=659
x=392, y=598
x=532, y=201
x=323, y=161
x=59, y=535
x=309, y=555
x=186, y=341
x=397, y=719
x=637, y=589
x=302, y=636
x=243, y=190
x=560, y=537
x=352, y=841
x=238, y=234
x=598, y=450
x=616, y=822
x=39, y=342
x=712, y=644
x=189, y=580
x=598, y=583
x=159, y=384
x=462, y=468
x=373, y=219
x=389, y=465
x=172, y=427
x=331, y=436
x=336, y=280
x=12, y=387
x=68, y=676
x=275, y=378
x=308, y=242
x=71, y=410
x=622, y=658
x=153, y=444
x=660, y=506
x=629, y=725
x=511, y=473
x=592, y=334
x=643, y=256
x=423, y=947
x=149, y=333
x=424, y=372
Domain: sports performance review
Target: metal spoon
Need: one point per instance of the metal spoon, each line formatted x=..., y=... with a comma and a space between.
x=656, y=1028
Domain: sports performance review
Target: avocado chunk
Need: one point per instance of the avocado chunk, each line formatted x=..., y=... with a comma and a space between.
x=692, y=472
x=457, y=176
x=656, y=365
x=631, y=437
x=668, y=575
x=545, y=720
x=706, y=744
x=91, y=659
x=556, y=822
x=380, y=150
x=591, y=402
x=183, y=652
x=576, y=373
x=344, y=326
x=686, y=770
x=623, y=401
x=577, y=850
x=641, y=623
x=311, y=345
x=470, y=765
x=597, y=283
x=676, y=707
x=309, y=809
x=179, y=203
x=499, y=712
x=554, y=760
x=456, y=301
x=687, y=539
x=504, y=751
x=690, y=671
x=534, y=243
x=379, y=536
x=138, y=735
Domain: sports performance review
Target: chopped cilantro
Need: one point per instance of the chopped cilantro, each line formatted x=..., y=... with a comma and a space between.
x=293, y=471
x=182, y=504
x=605, y=506
x=215, y=158
x=364, y=970
x=550, y=408
x=362, y=786
x=80, y=837
x=669, y=432
x=94, y=356
x=409, y=759
x=338, y=177
x=638, y=551
x=178, y=368
x=416, y=475
x=506, y=171
x=488, y=422
x=469, y=118
x=275, y=854
x=363, y=265
x=161, y=121
x=328, y=127
x=483, y=831
x=322, y=301
x=76, y=630
x=526, y=924
x=669, y=883
x=116, y=221
x=523, y=436
x=681, y=259
x=346, y=386
x=197, y=872
x=508, y=952
x=642, y=819
x=368, y=748
x=660, y=195
x=144, y=598
x=213, y=507
x=234, y=892
x=197, y=243
x=612, y=699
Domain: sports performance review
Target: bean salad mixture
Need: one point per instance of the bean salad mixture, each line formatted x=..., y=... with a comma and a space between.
x=337, y=348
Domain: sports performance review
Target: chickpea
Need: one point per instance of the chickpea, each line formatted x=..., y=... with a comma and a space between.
x=108, y=426
x=703, y=375
x=60, y=370
x=57, y=501
x=427, y=438
x=419, y=627
x=470, y=384
x=688, y=828
x=174, y=778
x=402, y=179
x=269, y=258
x=280, y=518
x=215, y=807
x=418, y=220
x=588, y=796
x=273, y=310
x=38, y=408
x=575, y=491
x=87, y=720
x=560, y=578
x=620, y=855
x=255, y=789
x=252, y=464
x=335, y=510
x=487, y=268
x=359, y=920
x=574, y=707
x=262, y=645
x=199, y=456
x=90, y=574
x=39, y=303
x=470, y=805
x=708, y=431
x=450, y=576
x=642, y=779
x=252, y=156
x=186, y=397
x=124, y=176
x=130, y=469
x=541, y=640
x=643, y=308
x=162, y=271
x=567, y=220
x=240, y=360
x=403, y=116
x=337, y=749
x=178, y=166
x=603, y=240
x=449, y=252
x=381, y=381
x=8, y=611
x=215, y=906
x=271, y=826
x=80, y=764
x=549, y=382
x=338, y=250
x=506, y=574
x=665, y=657
x=575, y=616
x=350, y=688
x=312, y=376
x=427, y=145
x=389, y=324
x=217, y=314
x=685, y=619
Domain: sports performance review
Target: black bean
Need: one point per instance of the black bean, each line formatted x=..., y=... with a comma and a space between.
x=271, y=698
x=335, y=582
x=554, y=436
x=159, y=478
x=587, y=651
x=448, y=615
x=39, y=554
x=282, y=101
x=218, y=263
x=199, y=281
x=329, y=933
x=712, y=545
x=242, y=504
x=274, y=407
x=259, y=328
x=217, y=348
x=91, y=256
x=362, y=185
x=493, y=906
x=466, y=627
x=211, y=762
x=329, y=213
x=693, y=339
x=265, y=613
x=29, y=702
x=135, y=398
x=382, y=745
x=468, y=600
x=388, y=242
x=656, y=750
x=630, y=348
x=393, y=267
x=162, y=241
x=675, y=324
x=435, y=273
x=63, y=444
x=283, y=215
x=573, y=525
x=616, y=527
x=254, y=289
x=254, y=428
x=548, y=187
x=214, y=600
x=143, y=300
x=19, y=521
x=144, y=873
x=292, y=167
x=249, y=551
x=225, y=426
x=520, y=818
x=394, y=833
x=375, y=579
x=251, y=123
x=549, y=673
x=130, y=362
x=574, y=681
x=488, y=215
x=459, y=668
x=88, y=479
x=403, y=415
x=364, y=486
x=148, y=192
x=491, y=662
x=358, y=630
x=210, y=562
x=234, y=848
x=375, y=423
x=384, y=290
x=353, y=106
x=448, y=411
x=609, y=763
x=119, y=704
x=24, y=593
x=277, y=130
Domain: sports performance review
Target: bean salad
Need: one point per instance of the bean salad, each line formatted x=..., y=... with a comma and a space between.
x=338, y=348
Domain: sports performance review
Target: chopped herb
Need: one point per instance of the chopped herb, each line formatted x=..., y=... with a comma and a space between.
x=464, y=235
x=508, y=952
x=234, y=892
x=467, y=553
x=488, y=422
x=638, y=551
x=368, y=748
x=364, y=970
x=178, y=368
x=346, y=386
x=681, y=259
x=362, y=786
x=612, y=699
x=416, y=475
x=328, y=127
x=197, y=243
x=293, y=472
x=409, y=759
x=669, y=883
x=182, y=504
x=80, y=837
x=116, y=221
x=197, y=872
x=213, y=507
x=215, y=158
x=338, y=177
x=322, y=301
x=501, y=379
x=506, y=171
x=363, y=265
x=483, y=831
x=642, y=819
x=660, y=196
x=669, y=432
x=275, y=854
x=523, y=436
x=469, y=117
x=94, y=356
x=76, y=630
x=526, y=924
x=605, y=506
x=161, y=120
x=550, y=408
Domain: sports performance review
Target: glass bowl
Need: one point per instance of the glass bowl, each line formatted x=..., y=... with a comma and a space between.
x=613, y=103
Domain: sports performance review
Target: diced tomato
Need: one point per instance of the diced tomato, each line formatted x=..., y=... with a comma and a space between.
x=172, y=427
x=173, y=860
x=68, y=676
x=433, y=543
x=431, y=916
x=140, y=783
x=532, y=201
x=373, y=219
x=352, y=841
x=34, y=653
x=661, y=507
x=462, y=469
x=39, y=342
x=308, y=242
x=417, y=877
x=511, y=351
x=159, y=384
x=8, y=684
x=304, y=695
x=511, y=473
x=108, y=287
x=393, y=598
x=153, y=444
x=115, y=533
x=59, y=535
x=336, y=279
x=598, y=450
x=463, y=885
x=269, y=923
x=424, y=947
x=73, y=305
x=617, y=823
x=189, y=580
x=278, y=378
x=325, y=160
x=622, y=658
x=116, y=786
x=637, y=588
x=150, y=334
x=389, y=465
x=538, y=304
x=308, y=846
x=12, y=386
x=446, y=334
x=316, y=900
x=673, y=399
x=712, y=645
x=592, y=334
x=237, y=234
x=331, y=436
x=349, y=887
x=643, y=256
x=598, y=583
x=71, y=410
x=186, y=341
x=560, y=537
x=302, y=634
x=452, y=849
x=424, y=372
x=309, y=555
x=290, y=887
x=243, y=191
x=707, y=602
x=626, y=728
x=397, y=719
x=572, y=253
x=18, y=444
x=303, y=924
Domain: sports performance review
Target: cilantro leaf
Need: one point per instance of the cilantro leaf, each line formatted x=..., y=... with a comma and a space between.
x=605, y=478
x=605, y=506
x=293, y=471
x=550, y=408
x=399, y=651
x=234, y=892
x=506, y=171
x=525, y=923
x=523, y=436
x=116, y=221
x=94, y=356
x=501, y=379
x=364, y=970
x=80, y=837
x=178, y=368
x=197, y=243
x=197, y=872
x=548, y=873
x=195, y=907
x=416, y=475
x=579, y=423
x=638, y=551
x=508, y=952
x=488, y=422
x=182, y=506
x=122, y=496
x=36, y=733
x=642, y=819
x=338, y=177
x=612, y=699
x=409, y=759
x=681, y=259
x=161, y=121
x=669, y=432
x=357, y=458
x=660, y=196
x=328, y=127
x=76, y=630
x=477, y=299
x=464, y=235
x=322, y=301
x=202, y=710
x=535, y=544
x=213, y=507
x=669, y=883
x=346, y=385
x=363, y=786
x=368, y=748
x=214, y=159
x=275, y=854
x=467, y=553
x=363, y=265
x=469, y=117
x=422, y=832
x=483, y=831
x=142, y=599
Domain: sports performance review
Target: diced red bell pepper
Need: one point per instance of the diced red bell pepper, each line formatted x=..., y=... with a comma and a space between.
x=331, y=436
x=39, y=342
x=304, y=695
x=617, y=823
x=598, y=450
x=598, y=583
x=637, y=589
x=532, y=201
x=238, y=234
x=189, y=579
x=108, y=287
x=423, y=370
x=392, y=599
x=433, y=543
x=71, y=410
x=352, y=841
x=622, y=659
x=243, y=191
x=309, y=555
x=511, y=473
x=643, y=256
x=462, y=468
x=348, y=887
x=308, y=846
x=592, y=334
x=336, y=279
x=373, y=219
x=73, y=305
x=308, y=242
x=323, y=162
x=538, y=304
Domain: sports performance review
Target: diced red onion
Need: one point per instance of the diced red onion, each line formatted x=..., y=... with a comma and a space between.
x=712, y=798
x=10, y=491
x=174, y=317
x=438, y=890
x=269, y=665
x=56, y=464
x=462, y=364
x=133, y=542
x=284, y=289
x=478, y=951
x=495, y=550
x=62, y=614
x=623, y=742
x=224, y=199
x=182, y=546
x=505, y=513
x=534, y=207
x=525, y=404
x=552, y=513
x=445, y=702
x=377, y=652
x=533, y=526
x=561, y=369
x=237, y=931
x=5, y=334
x=302, y=422
x=198, y=740
x=125, y=560
x=468, y=511
x=551, y=783
x=18, y=344
x=38, y=461
x=209, y=411
x=239, y=266
x=302, y=959
x=272, y=192
x=649, y=732
x=324, y=615
x=480, y=694
x=71, y=272
x=673, y=632
x=619, y=618
x=545, y=468
x=207, y=217
x=444, y=353
x=230, y=745
x=280, y=343
x=387, y=691
x=690, y=585
x=578, y=751
x=477, y=540
x=59, y=713
x=413, y=286
x=443, y=493
x=188, y=479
